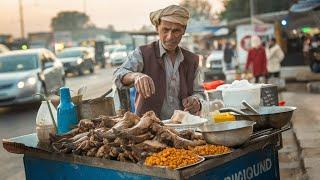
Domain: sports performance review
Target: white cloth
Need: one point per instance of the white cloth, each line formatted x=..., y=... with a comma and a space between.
x=274, y=57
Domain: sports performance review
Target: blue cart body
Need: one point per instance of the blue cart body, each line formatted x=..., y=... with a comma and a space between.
x=259, y=164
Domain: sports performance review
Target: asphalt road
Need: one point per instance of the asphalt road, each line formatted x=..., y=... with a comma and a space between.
x=20, y=120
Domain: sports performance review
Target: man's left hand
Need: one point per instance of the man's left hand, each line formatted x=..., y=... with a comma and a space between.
x=191, y=104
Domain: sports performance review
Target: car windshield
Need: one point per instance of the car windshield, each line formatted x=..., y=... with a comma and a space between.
x=114, y=48
x=69, y=53
x=21, y=62
x=120, y=49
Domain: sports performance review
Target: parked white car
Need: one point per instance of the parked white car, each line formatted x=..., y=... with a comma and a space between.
x=215, y=67
x=116, y=54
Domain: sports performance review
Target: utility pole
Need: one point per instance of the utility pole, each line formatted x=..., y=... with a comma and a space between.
x=85, y=6
x=21, y=19
x=251, y=11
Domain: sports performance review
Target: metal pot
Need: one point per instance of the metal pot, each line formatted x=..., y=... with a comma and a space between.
x=268, y=117
x=230, y=133
x=93, y=108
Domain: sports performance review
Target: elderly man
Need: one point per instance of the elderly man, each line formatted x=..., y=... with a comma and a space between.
x=166, y=76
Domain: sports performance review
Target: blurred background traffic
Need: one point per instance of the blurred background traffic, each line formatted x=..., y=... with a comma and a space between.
x=111, y=30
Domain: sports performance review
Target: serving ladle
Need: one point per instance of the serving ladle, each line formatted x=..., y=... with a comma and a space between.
x=249, y=107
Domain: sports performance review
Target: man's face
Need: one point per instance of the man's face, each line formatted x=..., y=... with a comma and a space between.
x=272, y=42
x=170, y=34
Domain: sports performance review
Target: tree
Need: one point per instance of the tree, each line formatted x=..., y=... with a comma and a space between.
x=199, y=9
x=70, y=21
x=236, y=9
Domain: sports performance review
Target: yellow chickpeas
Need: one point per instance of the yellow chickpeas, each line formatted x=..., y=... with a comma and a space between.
x=172, y=158
x=210, y=150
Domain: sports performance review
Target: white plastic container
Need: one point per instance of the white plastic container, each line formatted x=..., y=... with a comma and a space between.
x=44, y=124
x=232, y=97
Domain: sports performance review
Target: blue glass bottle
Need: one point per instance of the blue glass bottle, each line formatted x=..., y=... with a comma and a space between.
x=67, y=114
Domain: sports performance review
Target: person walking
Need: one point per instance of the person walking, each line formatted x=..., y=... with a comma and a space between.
x=275, y=56
x=315, y=54
x=228, y=55
x=257, y=59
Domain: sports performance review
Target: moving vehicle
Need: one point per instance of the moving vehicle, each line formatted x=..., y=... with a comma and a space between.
x=26, y=72
x=77, y=59
x=116, y=54
x=215, y=66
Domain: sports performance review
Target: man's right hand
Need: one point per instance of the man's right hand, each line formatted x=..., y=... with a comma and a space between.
x=144, y=85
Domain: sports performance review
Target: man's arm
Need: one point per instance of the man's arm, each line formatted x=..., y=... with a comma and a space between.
x=129, y=74
x=130, y=69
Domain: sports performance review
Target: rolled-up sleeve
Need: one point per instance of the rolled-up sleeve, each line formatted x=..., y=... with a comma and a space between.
x=133, y=63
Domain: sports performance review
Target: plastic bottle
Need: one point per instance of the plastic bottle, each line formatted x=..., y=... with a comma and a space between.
x=209, y=107
x=67, y=114
x=44, y=124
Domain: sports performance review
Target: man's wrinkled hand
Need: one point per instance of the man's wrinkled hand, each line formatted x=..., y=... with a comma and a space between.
x=191, y=104
x=144, y=85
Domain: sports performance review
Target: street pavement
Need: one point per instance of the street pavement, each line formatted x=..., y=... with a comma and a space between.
x=21, y=120
x=306, y=126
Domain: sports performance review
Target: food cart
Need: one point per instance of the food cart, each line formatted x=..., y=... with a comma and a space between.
x=255, y=159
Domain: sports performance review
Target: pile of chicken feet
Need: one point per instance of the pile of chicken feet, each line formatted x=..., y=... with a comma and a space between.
x=128, y=138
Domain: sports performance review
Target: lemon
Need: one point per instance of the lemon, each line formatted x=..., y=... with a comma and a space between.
x=222, y=117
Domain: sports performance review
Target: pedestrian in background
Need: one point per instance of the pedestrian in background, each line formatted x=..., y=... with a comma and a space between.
x=275, y=56
x=228, y=55
x=305, y=50
x=257, y=59
x=315, y=54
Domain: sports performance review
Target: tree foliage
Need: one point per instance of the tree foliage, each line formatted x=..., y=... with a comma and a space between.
x=70, y=21
x=199, y=9
x=236, y=9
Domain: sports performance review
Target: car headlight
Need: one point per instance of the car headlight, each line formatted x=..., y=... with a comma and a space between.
x=79, y=61
x=208, y=65
x=31, y=80
x=20, y=84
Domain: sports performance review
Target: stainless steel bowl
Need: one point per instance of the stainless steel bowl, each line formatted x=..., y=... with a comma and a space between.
x=231, y=133
x=268, y=117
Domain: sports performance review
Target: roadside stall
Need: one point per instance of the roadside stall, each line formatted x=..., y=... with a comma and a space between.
x=129, y=147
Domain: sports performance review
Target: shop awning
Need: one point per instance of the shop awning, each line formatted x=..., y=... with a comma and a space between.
x=305, y=6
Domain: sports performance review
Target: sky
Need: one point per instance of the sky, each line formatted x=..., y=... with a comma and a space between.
x=122, y=14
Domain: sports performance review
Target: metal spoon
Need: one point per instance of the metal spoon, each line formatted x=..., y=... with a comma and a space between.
x=249, y=107
x=230, y=109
